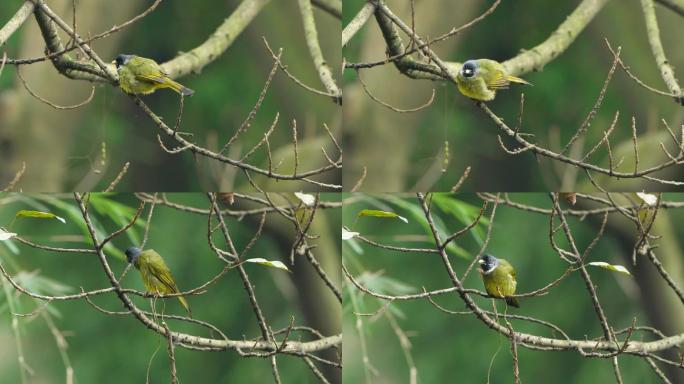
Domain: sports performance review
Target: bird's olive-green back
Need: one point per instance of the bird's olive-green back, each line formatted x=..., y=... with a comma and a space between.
x=155, y=274
x=142, y=66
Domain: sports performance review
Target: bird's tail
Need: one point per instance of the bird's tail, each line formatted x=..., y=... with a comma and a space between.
x=518, y=80
x=513, y=302
x=185, y=304
x=180, y=88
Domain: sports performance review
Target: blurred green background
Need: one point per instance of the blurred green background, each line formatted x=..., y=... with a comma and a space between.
x=117, y=349
x=62, y=149
x=562, y=95
x=456, y=348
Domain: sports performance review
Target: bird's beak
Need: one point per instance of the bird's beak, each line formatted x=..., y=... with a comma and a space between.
x=113, y=62
x=480, y=261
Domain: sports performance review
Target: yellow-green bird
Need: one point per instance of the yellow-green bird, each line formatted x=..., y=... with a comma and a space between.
x=479, y=79
x=141, y=76
x=498, y=276
x=156, y=276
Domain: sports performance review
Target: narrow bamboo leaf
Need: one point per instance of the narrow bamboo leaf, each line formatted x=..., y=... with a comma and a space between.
x=378, y=213
x=616, y=268
x=268, y=263
x=39, y=215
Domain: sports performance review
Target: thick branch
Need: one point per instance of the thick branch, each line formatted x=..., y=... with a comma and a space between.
x=16, y=21
x=532, y=59
x=222, y=38
x=535, y=58
x=311, y=36
x=81, y=70
x=674, y=5
x=357, y=22
x=333, y=7
x=653, y=33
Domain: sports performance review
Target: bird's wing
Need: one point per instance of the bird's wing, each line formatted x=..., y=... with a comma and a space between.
x=148, y=70
x=151, y=78
x=498, y=80
x=160, y=271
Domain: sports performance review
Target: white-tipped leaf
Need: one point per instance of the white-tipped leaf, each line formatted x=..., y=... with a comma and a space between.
x=268, y=263
x=384, y=214
x=307, y=199
x=348, y=235
x=6, y=235
x=39, y=215
x=648, y=198
x=612, y=267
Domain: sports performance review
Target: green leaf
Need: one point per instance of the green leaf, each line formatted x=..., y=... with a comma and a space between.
x=39, y=215
x=612, y=267
x=378, y=213
x=35, y=282
x=463, y=212
x=268, y=263
x=385, y=285
x=74, y=213
x=119, y=213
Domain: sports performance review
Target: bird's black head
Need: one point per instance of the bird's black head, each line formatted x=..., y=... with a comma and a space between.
x=132, y=254
x=122, y=60
x=488, y=263
x=469, y=69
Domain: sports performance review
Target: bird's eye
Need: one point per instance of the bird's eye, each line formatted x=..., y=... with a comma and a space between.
x=468, y=69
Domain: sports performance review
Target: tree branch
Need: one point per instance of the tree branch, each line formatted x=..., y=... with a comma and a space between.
x=311, y=36
x=221, y=39
x=653, y=33
x=16, y=21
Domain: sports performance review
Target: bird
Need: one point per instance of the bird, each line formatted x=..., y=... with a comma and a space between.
x=142, y=76
x=479, y=79
x=156, y=276
x=498, y=276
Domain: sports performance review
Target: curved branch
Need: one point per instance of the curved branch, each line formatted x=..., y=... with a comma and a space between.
x=311, y=36
x=16, y=21
x=194, y=60
x=674, y=5
x=535, y=58
x=357, y=22
x=653, y=33
x=333, y=7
